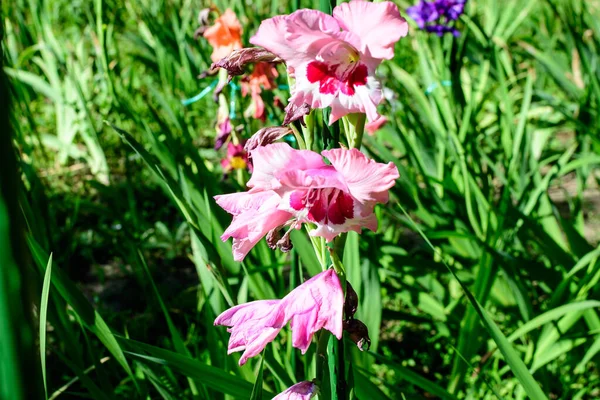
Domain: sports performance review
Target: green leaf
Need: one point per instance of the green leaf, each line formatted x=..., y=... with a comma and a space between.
x=415, y=379
x=211, y=377
x=257, y=390
x=510, y=355
x=73, y=296
x=43, y=318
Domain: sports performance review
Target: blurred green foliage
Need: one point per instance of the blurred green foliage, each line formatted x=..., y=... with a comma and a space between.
x=496, y=135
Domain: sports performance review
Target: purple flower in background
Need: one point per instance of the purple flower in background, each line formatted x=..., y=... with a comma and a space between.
x=440, y=12
x=423, y=13
x=440, y=30
x=451, y=9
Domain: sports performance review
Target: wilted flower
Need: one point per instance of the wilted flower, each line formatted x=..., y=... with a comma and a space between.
x=290, y=187
x=300, y=391
x=266, y=136
x=434, y=16
x=358, y=333
x=262, y=77
x=224, y=36
x=236, y=158
x=295, y=112
x=202, y=22
x=351, y=301
x=236, y=62
x=316, y=304
x=333, y=58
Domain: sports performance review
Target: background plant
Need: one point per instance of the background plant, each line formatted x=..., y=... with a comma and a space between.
x=495, y=134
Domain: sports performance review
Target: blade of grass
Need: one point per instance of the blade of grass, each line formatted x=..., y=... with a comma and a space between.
x=510, y=355
x=43, y=316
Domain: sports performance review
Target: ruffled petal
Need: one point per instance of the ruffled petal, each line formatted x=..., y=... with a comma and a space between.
x=300, y=391
x=367, y=180
x=365, y=99
x=255, y=214
x=379, y=26
x=248, y=311
x=271, y=35
x=275, y=158
x=316, y=304
x=253, y=326
x=309, y=31
x=325, y=177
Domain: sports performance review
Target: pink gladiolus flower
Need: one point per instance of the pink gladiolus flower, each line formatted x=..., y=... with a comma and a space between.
x=333, y=58
x=317, y=303
x=300, y=391
x=290, y=187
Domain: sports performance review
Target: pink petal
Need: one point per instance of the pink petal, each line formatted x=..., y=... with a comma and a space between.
x=308, y=92
x=317, y=303
x=365, y=100
x=255, y=214
x=247, y=311
x=308, y=32
x=275, y=158
x=253, y=326
x=271, y=35
x=325, y=177
x=300, y=391
x=367, y=180
x=375, y=125
x=237, y=203
x=379, y=26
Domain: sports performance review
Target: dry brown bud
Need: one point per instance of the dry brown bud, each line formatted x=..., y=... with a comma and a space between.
x=351, y=303
x=235, y=62
x=202, y=22
x=266, y=136
x=293, y=113
x=359, y=333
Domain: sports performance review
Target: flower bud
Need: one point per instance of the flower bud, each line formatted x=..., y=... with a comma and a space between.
x=235, y=62
x=351, y=303
x=294, y=112
x=359, y=333
x=266, y=136
x=202, y=22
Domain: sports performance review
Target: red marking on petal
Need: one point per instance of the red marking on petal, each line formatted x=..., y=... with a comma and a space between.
x=316, y=71
x=358, y=77
x=318, y=212
x=341, y=208
x=330, y=83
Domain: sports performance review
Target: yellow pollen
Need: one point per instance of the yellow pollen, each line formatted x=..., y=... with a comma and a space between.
x=237, y=163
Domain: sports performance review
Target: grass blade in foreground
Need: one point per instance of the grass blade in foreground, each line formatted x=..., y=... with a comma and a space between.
x=212, y=377
x=517, y=365
x=43, y=317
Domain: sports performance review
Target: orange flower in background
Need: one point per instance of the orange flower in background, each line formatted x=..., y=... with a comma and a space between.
x=225, y=35
x=263, y=77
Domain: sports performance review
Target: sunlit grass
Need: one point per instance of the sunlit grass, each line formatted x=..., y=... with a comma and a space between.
x=496, y=137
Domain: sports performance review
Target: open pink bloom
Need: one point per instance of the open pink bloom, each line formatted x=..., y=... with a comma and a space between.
x=300, y=391
x=316, y=304
x=290, y=187
x=333, y=58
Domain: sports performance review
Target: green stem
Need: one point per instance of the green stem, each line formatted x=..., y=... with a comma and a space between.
x=354, y=125
x=298, y=136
